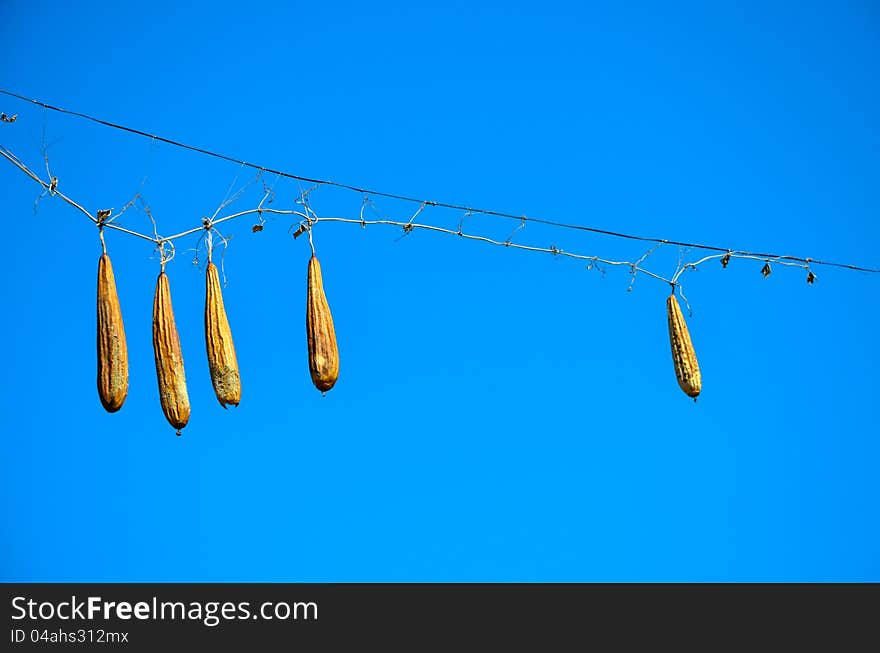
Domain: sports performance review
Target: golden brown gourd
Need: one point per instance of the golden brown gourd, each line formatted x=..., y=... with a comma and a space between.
x=321, y=337
x=222, y=361
x=687, y=371
x=169, y=359
x=112, y=349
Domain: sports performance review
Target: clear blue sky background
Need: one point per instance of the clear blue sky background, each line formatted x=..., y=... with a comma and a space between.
x=500, y=415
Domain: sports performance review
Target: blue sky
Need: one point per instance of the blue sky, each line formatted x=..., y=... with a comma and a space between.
x=500, y=415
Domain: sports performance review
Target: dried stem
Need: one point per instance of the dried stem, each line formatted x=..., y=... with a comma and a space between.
x=309, y=218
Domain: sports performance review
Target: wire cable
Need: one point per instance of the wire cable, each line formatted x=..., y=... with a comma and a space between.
x=423, y=202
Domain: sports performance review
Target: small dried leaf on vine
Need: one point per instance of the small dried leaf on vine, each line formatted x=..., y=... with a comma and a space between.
x=766, y=270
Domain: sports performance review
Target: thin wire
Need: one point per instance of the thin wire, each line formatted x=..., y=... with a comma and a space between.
x=309, y=219
x=447, y=205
